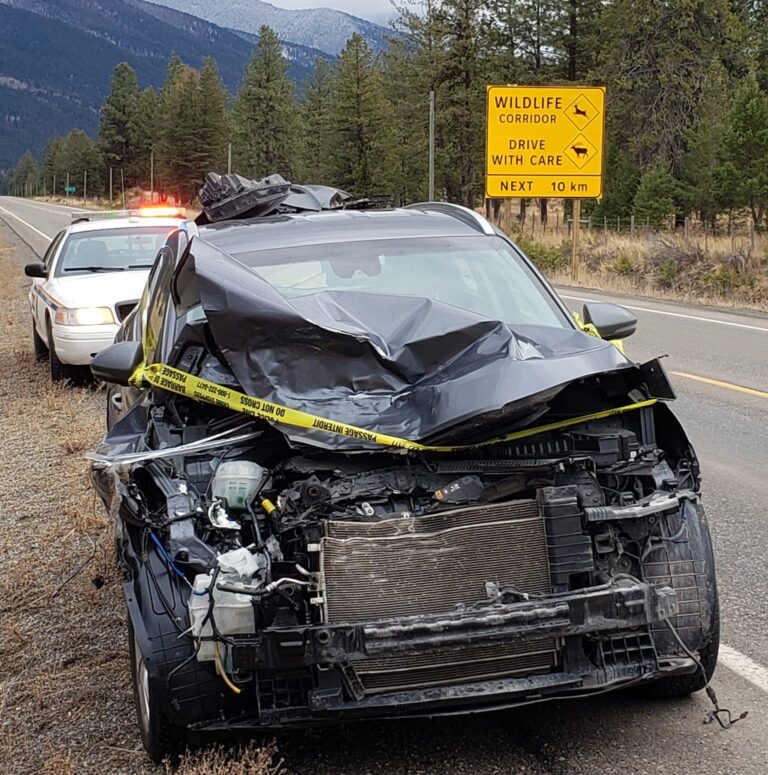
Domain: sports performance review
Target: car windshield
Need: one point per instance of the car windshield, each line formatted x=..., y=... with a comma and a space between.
x=480, y=274
x=111, y=250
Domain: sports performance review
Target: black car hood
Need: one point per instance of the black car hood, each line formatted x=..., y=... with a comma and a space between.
x=406, y=366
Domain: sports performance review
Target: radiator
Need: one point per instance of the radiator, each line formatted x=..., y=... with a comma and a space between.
x=431, y=564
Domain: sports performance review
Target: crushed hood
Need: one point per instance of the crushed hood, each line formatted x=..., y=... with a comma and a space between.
x=407, y=366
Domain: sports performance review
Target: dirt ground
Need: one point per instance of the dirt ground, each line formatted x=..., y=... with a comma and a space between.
x=66, y=704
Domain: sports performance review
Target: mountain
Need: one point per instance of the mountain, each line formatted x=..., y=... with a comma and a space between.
x=319, y=28
x=56, y=58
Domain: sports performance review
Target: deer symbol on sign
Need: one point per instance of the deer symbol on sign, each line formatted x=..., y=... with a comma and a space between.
x=577, y=111
x=580, y=151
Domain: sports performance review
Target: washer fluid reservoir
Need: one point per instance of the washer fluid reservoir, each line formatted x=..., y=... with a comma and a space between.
x=237, y=481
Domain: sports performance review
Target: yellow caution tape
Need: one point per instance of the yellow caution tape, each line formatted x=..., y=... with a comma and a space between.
x=176, y=381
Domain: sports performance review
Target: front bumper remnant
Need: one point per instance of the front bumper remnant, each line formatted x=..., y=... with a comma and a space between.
x=603, y=612
x=620, y=606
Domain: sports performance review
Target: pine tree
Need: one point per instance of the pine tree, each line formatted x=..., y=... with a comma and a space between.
x=359, y=157
x=265, y=116
x=179, y=150
x=79, y=157
x=577, y=37
x=742, y=177
x=25, y=175
x=117, y=114
x=144, y=131
x=704, y=149
x=213, y=120
x=656, y=60
x=504, y=29
x=316, y=123
x=413, y=66
x=462, y=111
x=655, y=197
x=49, y=167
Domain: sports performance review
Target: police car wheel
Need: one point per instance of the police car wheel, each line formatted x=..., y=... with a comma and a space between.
x=57, y=369
x=40, y=347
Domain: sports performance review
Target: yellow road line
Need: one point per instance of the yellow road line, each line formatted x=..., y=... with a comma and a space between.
x=717, y=383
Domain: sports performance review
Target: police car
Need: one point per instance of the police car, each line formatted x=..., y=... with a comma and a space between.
x=91, y=277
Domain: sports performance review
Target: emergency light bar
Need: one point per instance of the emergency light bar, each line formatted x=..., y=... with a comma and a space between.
x=146, y=211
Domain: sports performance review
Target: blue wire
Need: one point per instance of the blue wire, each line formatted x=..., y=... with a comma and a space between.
x=167, y=557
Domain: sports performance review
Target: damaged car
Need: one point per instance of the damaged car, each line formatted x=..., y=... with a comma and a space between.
x=363, y=463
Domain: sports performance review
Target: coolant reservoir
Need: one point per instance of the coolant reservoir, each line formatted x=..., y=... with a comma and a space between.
x=238, y=481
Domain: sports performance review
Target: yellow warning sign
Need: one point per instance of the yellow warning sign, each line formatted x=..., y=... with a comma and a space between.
x=544, y=141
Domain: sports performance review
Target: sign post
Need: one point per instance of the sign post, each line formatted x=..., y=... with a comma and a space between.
x=546, y=142
x=575, y=228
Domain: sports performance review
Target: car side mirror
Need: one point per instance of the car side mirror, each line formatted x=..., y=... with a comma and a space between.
x=115, y=364
x=611, y=320
x=36, y=270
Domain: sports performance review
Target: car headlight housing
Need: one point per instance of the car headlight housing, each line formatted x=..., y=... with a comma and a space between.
x=84, y=316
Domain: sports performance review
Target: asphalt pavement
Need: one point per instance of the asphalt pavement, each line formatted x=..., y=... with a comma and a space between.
x=718, y=361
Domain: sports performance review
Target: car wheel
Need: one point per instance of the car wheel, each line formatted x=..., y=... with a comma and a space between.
x=57, y=369
x=683, y=685
x=161, y=738
x=697, y=549
x=40, y=347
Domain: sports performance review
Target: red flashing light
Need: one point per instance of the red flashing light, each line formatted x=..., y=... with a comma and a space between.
x=161, y=211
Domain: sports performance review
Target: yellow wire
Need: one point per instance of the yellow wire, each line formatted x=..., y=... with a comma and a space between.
x=222, y=672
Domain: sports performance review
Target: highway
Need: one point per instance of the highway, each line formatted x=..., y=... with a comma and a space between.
x=718, y=362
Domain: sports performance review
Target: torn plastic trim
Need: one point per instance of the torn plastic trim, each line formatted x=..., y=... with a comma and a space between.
x=212, y=442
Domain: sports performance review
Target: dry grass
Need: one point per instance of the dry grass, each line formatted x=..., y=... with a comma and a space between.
x=246, y=760
x=65, y=698
x=721, y=270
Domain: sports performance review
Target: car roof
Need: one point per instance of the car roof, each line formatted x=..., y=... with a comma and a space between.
x=110, y=224
x=325, y=227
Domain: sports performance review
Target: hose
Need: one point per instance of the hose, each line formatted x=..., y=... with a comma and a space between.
x=221, y=671
x=172, y=565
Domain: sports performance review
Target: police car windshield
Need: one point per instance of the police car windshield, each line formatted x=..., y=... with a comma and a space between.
x=484, y=275
x=111, y=250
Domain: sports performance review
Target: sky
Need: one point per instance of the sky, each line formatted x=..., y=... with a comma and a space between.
x=375, y=10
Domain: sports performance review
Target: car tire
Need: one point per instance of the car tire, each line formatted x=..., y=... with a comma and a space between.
x=697, y=549
x=40, y=347
x=58, y=370
x=683, y=685
x=161, y=738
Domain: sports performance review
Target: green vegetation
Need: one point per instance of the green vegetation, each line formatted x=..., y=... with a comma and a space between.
x=687, y=109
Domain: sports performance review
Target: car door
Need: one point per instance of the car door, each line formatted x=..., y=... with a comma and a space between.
x=37, y=296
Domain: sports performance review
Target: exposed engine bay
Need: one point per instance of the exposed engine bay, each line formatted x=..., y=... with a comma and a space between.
x=309, y=579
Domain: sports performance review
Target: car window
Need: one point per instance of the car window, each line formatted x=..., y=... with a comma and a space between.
x=113, y=250
x=155, y=306
x=51, y=252
x=484, y=275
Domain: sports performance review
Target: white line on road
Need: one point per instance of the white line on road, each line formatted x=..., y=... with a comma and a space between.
x=742, y=665
x=675, y=314
x=28, y=225
x=49, y=206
